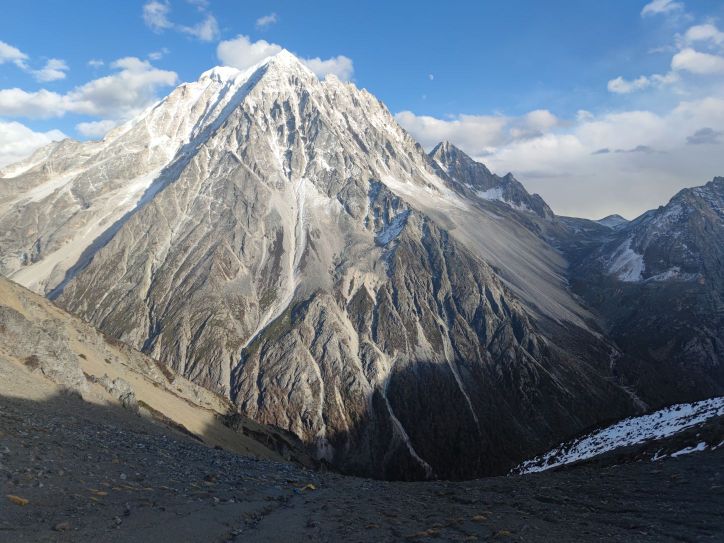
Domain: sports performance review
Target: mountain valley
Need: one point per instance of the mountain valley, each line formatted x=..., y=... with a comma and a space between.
x=282, y=243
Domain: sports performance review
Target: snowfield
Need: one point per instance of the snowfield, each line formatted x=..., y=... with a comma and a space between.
x=626, y=263
x=634, y=430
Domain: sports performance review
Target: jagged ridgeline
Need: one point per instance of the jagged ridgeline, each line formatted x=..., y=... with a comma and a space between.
x=281, y=241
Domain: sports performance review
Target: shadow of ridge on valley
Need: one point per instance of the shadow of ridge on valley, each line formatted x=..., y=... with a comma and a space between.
x=110, y=475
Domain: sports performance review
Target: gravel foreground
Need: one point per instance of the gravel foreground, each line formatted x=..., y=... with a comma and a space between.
x=74, y=471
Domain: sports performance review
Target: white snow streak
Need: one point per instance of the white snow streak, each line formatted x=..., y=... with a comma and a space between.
x=626, y=263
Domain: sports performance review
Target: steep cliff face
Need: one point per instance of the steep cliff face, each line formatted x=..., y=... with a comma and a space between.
x=654, y=283
x=433, y=370
x=658, y=281
x=477, y=178
x=300, y=254
x=46, y=351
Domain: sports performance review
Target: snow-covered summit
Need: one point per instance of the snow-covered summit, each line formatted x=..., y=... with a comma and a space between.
x=283, y=60
x=220, y=73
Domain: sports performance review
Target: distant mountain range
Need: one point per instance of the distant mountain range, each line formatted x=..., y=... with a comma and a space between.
x=282, y=242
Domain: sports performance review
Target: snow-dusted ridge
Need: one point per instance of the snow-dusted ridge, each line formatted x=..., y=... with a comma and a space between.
x=631, y=431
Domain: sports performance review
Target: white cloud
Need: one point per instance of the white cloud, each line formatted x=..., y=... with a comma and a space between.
x=95, y=63
x=18, y=141
x=698, y=63
x=685, y=59
x=119, y=95
x=339, y=66
x=541, y=119
x=592, y=165
x=625, y=86
x=156, y=16
x=95, y=129
x=583, y=115
x=243, y=53
x=706, y=33
x=8, y=53
x=478, y=134
x=475, y=133
x=40, y=104
x=133, y=87
x=206, y=30
x=53, y=70
x=266, y=21
x=158, y=55
x=661, y=6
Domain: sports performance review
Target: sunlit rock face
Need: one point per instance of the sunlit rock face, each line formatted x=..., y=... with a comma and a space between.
x=282, y=241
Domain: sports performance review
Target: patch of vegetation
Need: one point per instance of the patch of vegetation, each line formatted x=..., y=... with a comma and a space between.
x=32, y=362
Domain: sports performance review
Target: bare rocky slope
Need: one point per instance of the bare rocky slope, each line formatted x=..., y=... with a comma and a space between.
x=90, y=468
x=81, y=472
x=282, y=242
x=655, y=283
x=65, y=355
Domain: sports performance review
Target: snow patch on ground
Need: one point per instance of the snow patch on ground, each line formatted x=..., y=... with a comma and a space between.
x=688, y=450
x=673, y=274
x=496, y=193
x=626, y=263
x=393, y=229
x=660, y=424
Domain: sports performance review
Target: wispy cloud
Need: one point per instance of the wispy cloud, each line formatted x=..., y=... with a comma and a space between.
x=657, y=7
x=158, y=55
x=685, y=59
x=8, y=53
x=156, y=17
x=266, y=21
x=624, y=86
x=53, y=69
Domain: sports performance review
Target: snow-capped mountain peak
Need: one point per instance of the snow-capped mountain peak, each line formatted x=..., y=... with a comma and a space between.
x=282, y=241
x=220, y=73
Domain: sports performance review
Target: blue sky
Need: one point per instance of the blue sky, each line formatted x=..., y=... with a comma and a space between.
x=563, y=93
